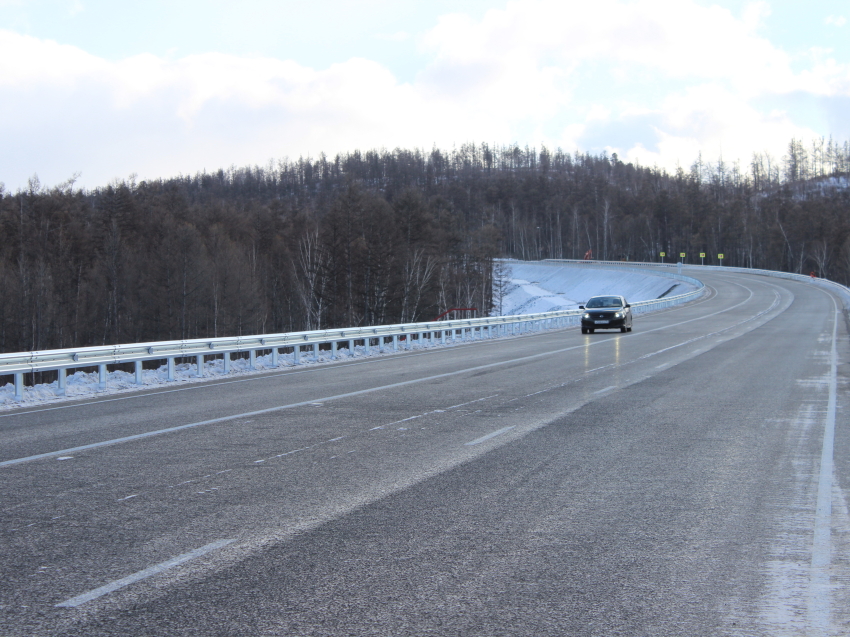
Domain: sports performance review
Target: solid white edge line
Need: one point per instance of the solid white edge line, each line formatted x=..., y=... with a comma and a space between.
x=490, y=435
x=135, y=577
x=818, y=610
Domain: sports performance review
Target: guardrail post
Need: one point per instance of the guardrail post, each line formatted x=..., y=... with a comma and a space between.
x=381, y=344
x=227, y=362
x=169, y=376
x=395, y=342
x=443, y=337
x=351, y=347
x=101, y=377
x=315, y=351
x=297, y=354
x=199, y=361
x=333, y=350
x=60, y=381
x=19, y=386
x=138, y=372
x=252, y=358
x=276, y=356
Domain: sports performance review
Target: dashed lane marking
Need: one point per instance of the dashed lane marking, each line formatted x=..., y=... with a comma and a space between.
x=79, y=600
x=493, y=434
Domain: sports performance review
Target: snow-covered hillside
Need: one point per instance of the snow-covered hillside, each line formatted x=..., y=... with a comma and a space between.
x=545, y=287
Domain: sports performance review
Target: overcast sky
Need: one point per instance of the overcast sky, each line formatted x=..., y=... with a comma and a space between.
x=156, y=88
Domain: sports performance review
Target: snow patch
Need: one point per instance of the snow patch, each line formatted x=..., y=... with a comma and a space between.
x=549, y=287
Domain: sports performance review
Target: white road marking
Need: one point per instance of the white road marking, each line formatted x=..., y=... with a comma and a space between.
x=135, y=495
x=477, y=400
x=607, y=389
x=819, y=585
x=65, y=458
x=498, y=432
x=140, y=575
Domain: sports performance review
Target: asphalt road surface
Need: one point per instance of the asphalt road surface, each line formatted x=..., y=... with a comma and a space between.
x=688, y=478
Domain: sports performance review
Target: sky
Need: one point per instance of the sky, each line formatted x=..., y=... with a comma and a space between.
x=101, y=90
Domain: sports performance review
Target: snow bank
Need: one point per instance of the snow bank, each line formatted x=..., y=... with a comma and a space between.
x=548, y=287
x=85, y=384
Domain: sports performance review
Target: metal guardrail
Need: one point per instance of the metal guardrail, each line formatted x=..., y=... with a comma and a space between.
x=61, y=360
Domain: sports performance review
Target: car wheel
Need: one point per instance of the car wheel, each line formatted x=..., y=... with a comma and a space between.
x=590, y=330
x=630, y=328
x=584, y=330
x=623, y=329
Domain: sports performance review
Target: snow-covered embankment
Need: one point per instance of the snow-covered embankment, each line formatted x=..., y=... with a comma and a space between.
x=538, y=286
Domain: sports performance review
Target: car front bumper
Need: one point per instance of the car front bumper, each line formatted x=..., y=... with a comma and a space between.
x=610, y=323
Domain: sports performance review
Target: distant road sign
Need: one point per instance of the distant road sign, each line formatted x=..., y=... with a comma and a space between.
x=682, y=254
x=720, y=256
x=663, y=254
x=702, y=255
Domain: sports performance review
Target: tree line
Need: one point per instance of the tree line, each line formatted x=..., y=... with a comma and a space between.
x=386, y=236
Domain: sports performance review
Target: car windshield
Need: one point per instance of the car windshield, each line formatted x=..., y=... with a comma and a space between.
x=605, y=301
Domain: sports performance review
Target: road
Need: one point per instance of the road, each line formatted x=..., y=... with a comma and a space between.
x=688, y=478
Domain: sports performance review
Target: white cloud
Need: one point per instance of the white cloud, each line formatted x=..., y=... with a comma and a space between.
x=836, y=20
x=658, y=80
x=398, y=36
x=716, y=122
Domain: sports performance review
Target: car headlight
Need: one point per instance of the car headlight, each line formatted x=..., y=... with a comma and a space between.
x=618, y=315
x=586, y=315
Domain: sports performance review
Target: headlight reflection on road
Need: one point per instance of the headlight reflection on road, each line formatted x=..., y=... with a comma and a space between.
x=617, y=351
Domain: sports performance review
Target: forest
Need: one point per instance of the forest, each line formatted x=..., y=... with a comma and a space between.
x=386, y=236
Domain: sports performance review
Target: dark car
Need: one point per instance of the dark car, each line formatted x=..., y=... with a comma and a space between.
x=606, y=313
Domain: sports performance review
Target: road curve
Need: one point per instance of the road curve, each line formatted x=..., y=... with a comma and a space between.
x=688, y=478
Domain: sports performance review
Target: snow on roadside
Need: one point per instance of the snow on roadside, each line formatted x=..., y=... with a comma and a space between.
x=534, y=287
x=547, y=287
x=85, y=384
